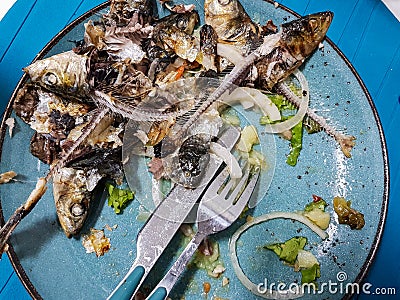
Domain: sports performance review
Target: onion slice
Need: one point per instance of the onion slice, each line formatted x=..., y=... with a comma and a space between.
x=234, y=168
x=255, y=289
x=249, y=96
x=230, y=53
x=298, y=117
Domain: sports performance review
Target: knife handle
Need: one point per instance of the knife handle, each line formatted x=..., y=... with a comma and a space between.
x=128, y=285
x=159, y=294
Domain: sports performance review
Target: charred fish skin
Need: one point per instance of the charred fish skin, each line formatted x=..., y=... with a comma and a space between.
x=302, y=36
x=123, y=11
x=232, y=24
x=208, y=48
x=298, y=39
x=173, y=33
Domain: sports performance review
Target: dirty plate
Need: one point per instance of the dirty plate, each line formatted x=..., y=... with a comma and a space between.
x=54, y=267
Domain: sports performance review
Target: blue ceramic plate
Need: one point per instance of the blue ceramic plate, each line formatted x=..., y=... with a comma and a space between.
x=54, y=267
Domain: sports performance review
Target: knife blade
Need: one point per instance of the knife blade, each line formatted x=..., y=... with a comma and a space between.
x=165, y=221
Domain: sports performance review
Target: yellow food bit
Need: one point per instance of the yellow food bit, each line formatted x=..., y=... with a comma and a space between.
x=206, y=287
x=7, y=176
x=348, y=215
x=96, y=242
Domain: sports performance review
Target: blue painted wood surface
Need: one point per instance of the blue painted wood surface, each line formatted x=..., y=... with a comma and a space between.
x=364, y=30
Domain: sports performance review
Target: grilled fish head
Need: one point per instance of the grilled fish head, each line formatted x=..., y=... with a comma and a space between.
x=302, y=36
x=64, y=73
x=231, y=23
x=173, y=33
x=72, y=199
x=223, y=9
x=185, y=22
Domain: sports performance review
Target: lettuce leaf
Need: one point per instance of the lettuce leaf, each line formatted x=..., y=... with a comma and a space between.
x=296, y=143
x=311, y=274
x=118, y=198
x=288, y=250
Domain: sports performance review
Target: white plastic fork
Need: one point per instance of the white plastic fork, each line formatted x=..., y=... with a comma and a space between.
x=218, y=209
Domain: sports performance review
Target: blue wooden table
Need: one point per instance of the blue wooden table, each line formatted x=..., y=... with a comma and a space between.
x=365, y=30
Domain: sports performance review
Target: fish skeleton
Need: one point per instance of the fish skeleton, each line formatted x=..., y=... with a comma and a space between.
x=290, y=38
x=91, y=75
x=297, y=40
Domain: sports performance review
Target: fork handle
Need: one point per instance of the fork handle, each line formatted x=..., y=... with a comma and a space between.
x=166, y=284
x=128, y=285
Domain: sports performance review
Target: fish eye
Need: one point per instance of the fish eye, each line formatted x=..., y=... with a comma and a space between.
x=224, y=2
x=77, y=209
x=182, y=24
x=50, y=78
x=314, y=24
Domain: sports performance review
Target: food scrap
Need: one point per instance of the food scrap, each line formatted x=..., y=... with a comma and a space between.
x=295, y=134
x=109, y=228
x=181, y=8
x=96, y=242
x=118, y=198
x=10, y=122
x=348, y=215
x=206, y=287
x=315, y=211
x=209, y=259
x=292, y=252
x=7, y=176
x=225, y=281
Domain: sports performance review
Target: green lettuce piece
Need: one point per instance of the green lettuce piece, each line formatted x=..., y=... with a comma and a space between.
x=296, y=143
x=118, y=198
x=288, y=250
x=281, y=102
x=208, y=262
x=318, y=204
x=311, y=274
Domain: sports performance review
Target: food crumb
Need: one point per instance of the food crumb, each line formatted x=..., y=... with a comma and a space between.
x=218, y=270
x=10, y=122
x=321, y=46
x=7, y=176
x=96, y=242
x=206, y=287
x=276, y=4
x=249, y=218
x=225, y=281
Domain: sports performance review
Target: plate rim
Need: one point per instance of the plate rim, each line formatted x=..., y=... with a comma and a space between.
x=19, y=270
